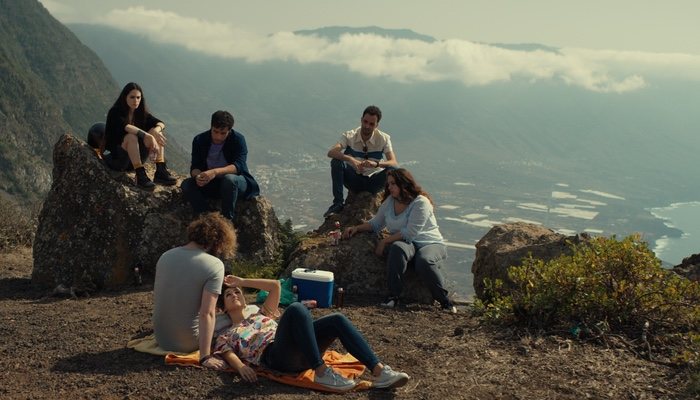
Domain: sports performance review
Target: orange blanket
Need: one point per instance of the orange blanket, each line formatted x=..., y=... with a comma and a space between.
x=344, y=364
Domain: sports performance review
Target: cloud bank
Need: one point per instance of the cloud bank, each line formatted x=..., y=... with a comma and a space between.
x=411, y=61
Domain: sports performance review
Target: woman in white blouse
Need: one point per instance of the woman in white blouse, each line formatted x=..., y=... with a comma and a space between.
x=414, y=238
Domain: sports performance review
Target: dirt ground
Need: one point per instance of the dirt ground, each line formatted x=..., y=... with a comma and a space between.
x=53, y=347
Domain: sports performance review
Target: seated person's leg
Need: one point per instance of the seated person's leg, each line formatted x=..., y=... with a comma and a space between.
x=196, y=195
x=136, y=149
x=232, y=186
x=338, y=168
x=338, y=326
x=295, y=348
x=428, y=261
x=376, y=182
x=162, y=175
x=355, y=182
x=132, y=154
x=399, y=254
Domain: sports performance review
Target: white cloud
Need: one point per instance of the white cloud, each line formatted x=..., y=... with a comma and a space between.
x=408, y=60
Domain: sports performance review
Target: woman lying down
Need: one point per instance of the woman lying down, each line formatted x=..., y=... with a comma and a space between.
x=295, y=343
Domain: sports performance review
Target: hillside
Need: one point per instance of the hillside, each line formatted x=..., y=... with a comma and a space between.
x=51, y=84
x=57, y=347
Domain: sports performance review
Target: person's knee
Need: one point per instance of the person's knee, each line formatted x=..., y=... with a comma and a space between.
x=229, y=182
x=188, y=185
x=296, y=308
x=337, y=163
x=430, y=263
x=130, y=140
x=399, y=247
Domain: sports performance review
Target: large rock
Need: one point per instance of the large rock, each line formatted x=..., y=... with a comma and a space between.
x=96, y=225
x=689, y=267
x=354, y=265
x=507, y=245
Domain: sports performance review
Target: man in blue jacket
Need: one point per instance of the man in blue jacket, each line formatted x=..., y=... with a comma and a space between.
x=219, y=168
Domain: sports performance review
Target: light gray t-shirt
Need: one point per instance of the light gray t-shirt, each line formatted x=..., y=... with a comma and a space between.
x=181, y=276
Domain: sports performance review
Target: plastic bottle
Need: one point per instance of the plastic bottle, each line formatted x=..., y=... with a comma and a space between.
x=137, y=276
x=295, y=294
x=339, y=297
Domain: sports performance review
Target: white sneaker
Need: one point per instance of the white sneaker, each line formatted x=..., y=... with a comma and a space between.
x=389, y=303
x=334, y=380
x=389, y=379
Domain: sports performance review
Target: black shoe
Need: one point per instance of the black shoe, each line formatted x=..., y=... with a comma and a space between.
x=333, y=209
x=162, y=175
x=142, y=180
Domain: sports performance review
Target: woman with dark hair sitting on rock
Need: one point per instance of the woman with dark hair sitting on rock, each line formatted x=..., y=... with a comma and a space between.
x=295, y=343
x=414, y=238
x=132, y=133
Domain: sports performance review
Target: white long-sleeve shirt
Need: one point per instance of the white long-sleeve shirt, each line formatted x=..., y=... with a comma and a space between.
x=416, y=223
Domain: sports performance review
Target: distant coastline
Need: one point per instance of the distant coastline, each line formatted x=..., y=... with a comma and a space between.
x=684, y=217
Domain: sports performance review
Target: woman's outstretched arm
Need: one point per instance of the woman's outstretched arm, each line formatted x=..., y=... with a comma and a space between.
x=272, y=286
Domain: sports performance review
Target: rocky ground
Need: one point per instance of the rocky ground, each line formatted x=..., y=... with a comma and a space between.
x=58, y=347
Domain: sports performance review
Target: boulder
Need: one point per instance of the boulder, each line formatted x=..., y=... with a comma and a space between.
x=354, y=265
x=96, y=225
x=508, y=244
x=689, y=267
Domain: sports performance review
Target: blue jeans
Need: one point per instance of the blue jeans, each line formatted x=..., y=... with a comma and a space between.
x=300, y=341
x=426, y=260
x=343, y=174
x=225, y=187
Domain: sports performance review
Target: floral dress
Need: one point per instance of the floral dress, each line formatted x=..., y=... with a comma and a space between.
x=248, y=339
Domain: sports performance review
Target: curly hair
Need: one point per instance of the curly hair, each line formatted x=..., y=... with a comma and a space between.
x=410, y=189
x=215, y=234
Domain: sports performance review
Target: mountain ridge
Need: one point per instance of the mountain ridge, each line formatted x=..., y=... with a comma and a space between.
x=52, y=84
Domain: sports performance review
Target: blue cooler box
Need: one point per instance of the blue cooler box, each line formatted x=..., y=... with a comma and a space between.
x=314, y=284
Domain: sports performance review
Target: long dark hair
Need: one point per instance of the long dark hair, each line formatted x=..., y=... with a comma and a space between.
x=410, y=189
x=140, y=113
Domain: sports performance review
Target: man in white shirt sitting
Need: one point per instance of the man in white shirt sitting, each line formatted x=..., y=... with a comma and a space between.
x=359, y=160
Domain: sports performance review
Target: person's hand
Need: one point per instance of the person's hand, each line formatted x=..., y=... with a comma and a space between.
x=349, y=232
x=204, y=177
x=356, y=165
x=233, y=280
x=214, y=363
x=248, y=374
x=379, y=250
x=368, y=164
x=151, y=142
x=158, y=135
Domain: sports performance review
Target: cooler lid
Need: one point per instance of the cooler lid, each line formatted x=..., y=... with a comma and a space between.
x=310, y=274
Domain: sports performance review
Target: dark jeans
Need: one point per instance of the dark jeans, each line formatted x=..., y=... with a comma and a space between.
x=225, y=187
x=300, y=341
x=426, y=260
x=343, y=174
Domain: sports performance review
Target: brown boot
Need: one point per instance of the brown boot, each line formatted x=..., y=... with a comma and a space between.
x=162, y=175
x=142, y=180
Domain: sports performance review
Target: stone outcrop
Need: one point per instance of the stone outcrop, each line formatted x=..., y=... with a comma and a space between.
x=507, y=245
x=96, y=225
x=354, y=265
x=689, y=267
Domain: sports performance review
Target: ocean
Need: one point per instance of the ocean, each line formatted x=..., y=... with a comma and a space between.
x=682, y=216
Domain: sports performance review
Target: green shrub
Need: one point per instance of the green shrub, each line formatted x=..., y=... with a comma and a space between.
x=289, y=241
x=606, y=285
x=17, y=224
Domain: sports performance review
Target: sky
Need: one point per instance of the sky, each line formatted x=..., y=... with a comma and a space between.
x=612, y=46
